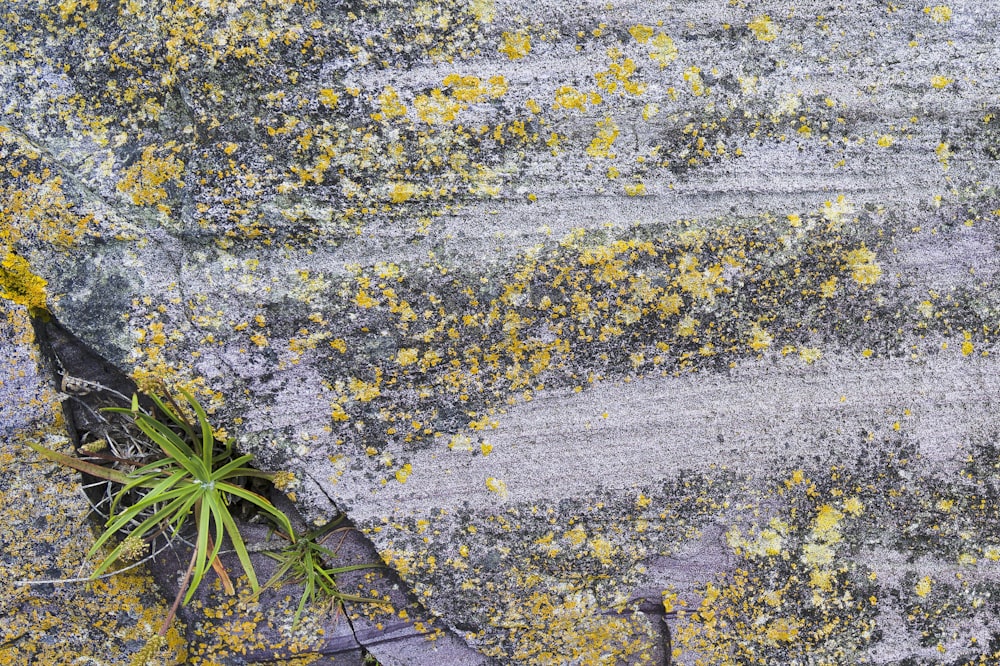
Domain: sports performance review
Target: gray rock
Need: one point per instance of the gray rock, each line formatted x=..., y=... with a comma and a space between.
x=678, y=278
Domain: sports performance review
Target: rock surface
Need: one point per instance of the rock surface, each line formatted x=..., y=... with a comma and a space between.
x=44, y=535
x=590, y=316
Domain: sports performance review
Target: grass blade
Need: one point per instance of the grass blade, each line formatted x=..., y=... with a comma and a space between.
x=176, y=416
x=157, y=467
x=240, y=548
x=233, y=469
x=201, y=549
x=220, y=571
x=118, y=522
x=160, y=487
x=100, y=472
x=215, y=507
x=143, y=527
x=207, y=438
x=261, y=503
x=172, y=445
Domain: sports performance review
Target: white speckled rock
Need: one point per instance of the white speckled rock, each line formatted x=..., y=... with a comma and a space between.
x=545, y=296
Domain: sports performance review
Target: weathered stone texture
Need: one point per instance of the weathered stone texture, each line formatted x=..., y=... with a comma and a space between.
x=44, y=534
x=542, y=294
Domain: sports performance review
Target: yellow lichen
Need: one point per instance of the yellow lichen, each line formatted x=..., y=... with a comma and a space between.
x=864, y=269
x=760, y=339
x=568, y=97
x=20, y=285
x=939, y=81
x=401, y=192
x=828, y=287
x=390, y=104
x=938, y=13
x=602, y=549
x=693, y=76
x=515, y=45
x=328, y=97
x=364, y=391
x=763, y=28
x=662, y=50
x=407, y=356
x=923, y=586
x=853, y=506
x=827, y=522
x=944, y=153
x=967, y=346
x=157, y=166
x=618, y=76
x=687, y=326
x=497, y=486
x=783, y=630
x=600, y=146
x=641, y=33
x=809, y=354
x=483, y=10
x=835, y=212
x=471, y=89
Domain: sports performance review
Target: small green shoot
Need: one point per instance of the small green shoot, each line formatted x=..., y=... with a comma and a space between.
x=304, y=561
x=193, y=477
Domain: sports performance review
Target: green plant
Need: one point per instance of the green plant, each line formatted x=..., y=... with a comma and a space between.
x=193, y=476
x=305, y=561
